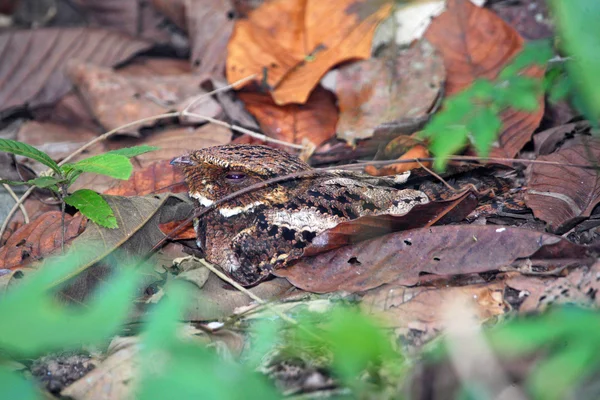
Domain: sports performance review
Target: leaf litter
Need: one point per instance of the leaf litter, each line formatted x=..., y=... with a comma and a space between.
x=318, y=80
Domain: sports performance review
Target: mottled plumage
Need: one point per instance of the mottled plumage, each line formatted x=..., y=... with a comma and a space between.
x=256, y=232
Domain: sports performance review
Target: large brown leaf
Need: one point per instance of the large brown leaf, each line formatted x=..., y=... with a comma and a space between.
x=380, y=90
x=443, y=250
x=209, y=26
x=293, y=43
x=134, y=17
x=476, y=43
x=117, y=99
x=33, y=61
x=562, y=195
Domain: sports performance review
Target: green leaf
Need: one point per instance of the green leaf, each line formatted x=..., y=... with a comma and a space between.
x=484, y=126
x=49, y=325
x=448, y=142
x=44, y=181
x=23, y=149
x=93, y=206
x=188, y=370
x=13, y=183
x=133, y=151
x=523, y=93
x=560, y=89
x=15, y=386
x=537, y=52
x=560, y=373
x=579, y=30
x=113, y=165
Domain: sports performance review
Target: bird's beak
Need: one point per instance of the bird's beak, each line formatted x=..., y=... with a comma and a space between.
x=182, y=161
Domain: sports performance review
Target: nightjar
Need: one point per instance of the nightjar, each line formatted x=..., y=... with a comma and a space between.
x=259, y=231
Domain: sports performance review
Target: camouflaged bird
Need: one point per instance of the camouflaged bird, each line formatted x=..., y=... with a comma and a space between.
x=259, y=231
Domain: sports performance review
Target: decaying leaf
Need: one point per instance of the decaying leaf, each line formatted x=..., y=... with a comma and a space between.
x=315, y=120
x=218, y=299
x=291, y=44
x=209, y=25
x=562, y=195
x=579, y=287
x=442, y=250
x=117, y=100
x=380, y=90
x=418, y=308
x=476, y=43
x=39, y=238
x=34, y=60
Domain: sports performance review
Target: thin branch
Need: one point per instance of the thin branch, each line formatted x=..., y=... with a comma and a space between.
x=14, y=209
x=260, y=301
x=16, y=198
x=439, y=178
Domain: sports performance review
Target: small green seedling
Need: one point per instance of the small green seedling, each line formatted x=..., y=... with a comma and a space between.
x=115, y=164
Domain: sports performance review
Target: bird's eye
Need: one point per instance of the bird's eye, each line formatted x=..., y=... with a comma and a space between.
x=235, y=176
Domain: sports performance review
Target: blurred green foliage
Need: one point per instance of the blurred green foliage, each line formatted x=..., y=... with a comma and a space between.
x=579, y=36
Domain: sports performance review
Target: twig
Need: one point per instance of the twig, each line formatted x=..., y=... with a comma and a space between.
x=260, y=301
x=248, y=132
x=437, y=177
x=248, y=293
x=16, y=198
x=18, y=204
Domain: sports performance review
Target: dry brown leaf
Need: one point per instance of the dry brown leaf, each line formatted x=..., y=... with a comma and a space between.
x=562, y=195
x=476, y=43
x=209, y=26
x=419, y=308
x=579, y=287
x=314, y=121
x=293, y=43
x=380, y=90
x=442, y=250
x=70, y=110
x=38, y=239
x=33, y=61
x=133, y=17
x=117, y=100
x=531, y=19
x=149, y=66
x=159, y=177
x=218, y=299
x=172, y=9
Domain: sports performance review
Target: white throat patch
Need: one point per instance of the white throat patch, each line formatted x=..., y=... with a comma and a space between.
x=203, y=200
x=230, y=212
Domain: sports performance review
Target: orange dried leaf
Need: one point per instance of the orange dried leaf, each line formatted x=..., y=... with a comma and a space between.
x=418, y=151
x=316, y=120
x=292, y=44
x=39, y=238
